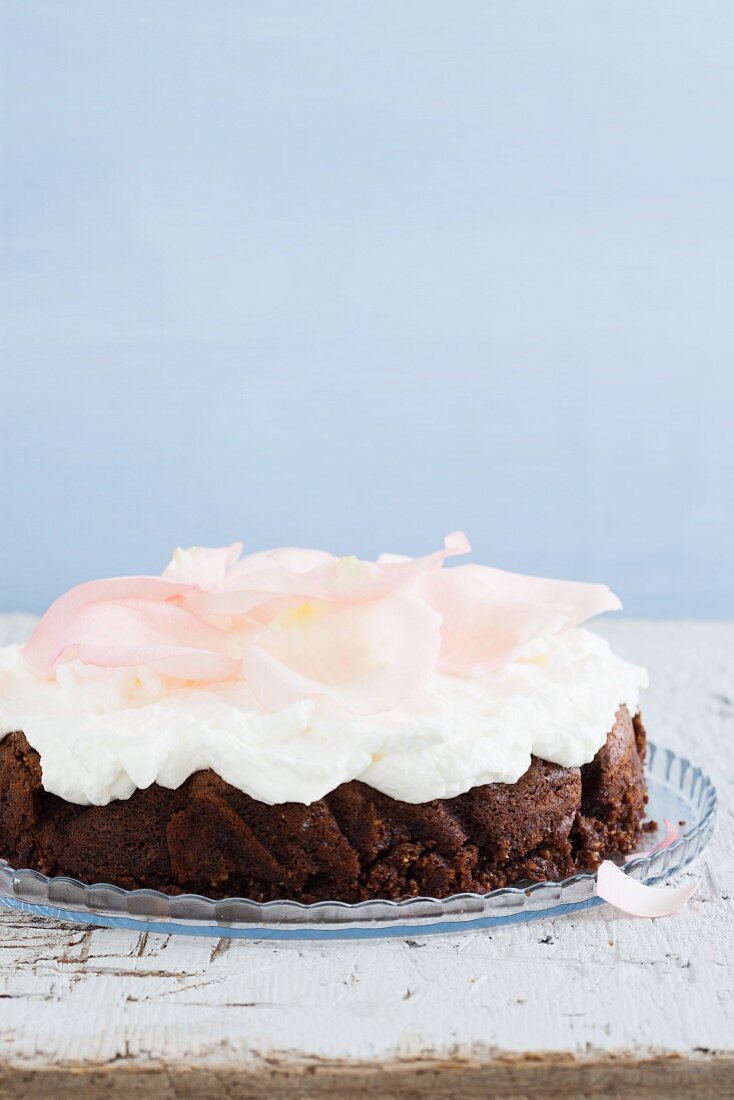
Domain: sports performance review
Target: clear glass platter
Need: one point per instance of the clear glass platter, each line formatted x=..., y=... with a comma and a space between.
x=679, y=791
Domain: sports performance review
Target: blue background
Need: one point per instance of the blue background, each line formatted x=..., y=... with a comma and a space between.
x=354, y=274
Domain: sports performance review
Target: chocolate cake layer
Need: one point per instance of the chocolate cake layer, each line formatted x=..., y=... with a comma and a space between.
x=209, y=838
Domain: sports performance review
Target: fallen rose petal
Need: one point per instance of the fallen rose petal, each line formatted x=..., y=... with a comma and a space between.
x=636, y=899
x=672, y=833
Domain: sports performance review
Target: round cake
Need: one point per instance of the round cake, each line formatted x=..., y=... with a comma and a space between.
x=294, y=725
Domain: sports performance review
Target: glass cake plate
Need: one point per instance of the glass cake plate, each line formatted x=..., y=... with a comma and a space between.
x=679, y=791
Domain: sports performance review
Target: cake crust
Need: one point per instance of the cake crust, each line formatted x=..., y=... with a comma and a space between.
x=210, y=838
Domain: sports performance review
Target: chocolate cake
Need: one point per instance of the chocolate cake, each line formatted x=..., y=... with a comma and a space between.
x=207, y=837
x=294, y=725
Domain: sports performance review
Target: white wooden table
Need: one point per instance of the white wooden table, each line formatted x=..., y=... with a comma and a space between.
x=587, y=1005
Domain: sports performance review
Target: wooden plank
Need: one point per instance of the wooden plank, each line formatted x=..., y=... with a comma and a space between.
x=527, y=1077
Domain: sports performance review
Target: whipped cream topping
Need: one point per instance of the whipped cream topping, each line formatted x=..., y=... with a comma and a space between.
x=102, y=732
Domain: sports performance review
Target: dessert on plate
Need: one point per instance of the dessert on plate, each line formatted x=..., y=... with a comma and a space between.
x=290, y=724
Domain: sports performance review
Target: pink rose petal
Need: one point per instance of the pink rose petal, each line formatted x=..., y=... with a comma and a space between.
x=672, y=833
x=127, y=633
x=173, y=661
x=455, y=543
x=306, y=575
x=50, y=636
x=489, y=614
x=292, y=558
x=636, y=899
x=365, y=657
x=203, y=566
x=300, y=623
x=351, y=580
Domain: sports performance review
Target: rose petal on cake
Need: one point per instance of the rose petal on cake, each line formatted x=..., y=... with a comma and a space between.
x=399, y=569
x=178, y=664
x=293, y=558
x=228, y=603
x=352, y=580
x=287, y=574
x=455, y=543
x=203, y=566
x=126, y=633
x=489, y=614
x=365, y=658
x=636, y=899
x=49, y=637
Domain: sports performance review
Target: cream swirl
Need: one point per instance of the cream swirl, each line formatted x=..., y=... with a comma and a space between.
x=101, y=733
